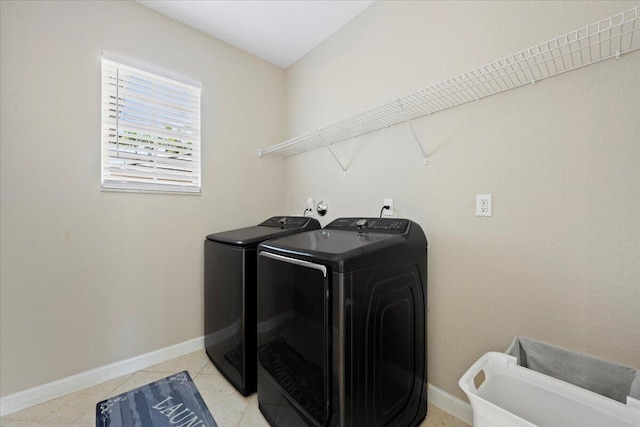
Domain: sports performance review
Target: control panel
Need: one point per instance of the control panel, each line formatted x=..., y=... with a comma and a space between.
x=286, y=222
x=370, y=225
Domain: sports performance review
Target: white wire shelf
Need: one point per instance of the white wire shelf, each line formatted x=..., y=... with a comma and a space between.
x=608, y=38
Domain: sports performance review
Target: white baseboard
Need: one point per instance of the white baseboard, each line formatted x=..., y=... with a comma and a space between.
x=450, y=404
x=33, y=396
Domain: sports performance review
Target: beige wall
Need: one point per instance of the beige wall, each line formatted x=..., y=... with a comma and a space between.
x=90, y=277
x=558, y=260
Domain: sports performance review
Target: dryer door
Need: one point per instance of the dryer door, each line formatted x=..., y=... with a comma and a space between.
x=293, y=340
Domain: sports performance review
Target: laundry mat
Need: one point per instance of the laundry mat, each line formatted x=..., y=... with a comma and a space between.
x=172, y=401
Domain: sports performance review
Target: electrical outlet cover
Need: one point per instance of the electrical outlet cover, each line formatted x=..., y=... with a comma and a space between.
x=387, y=212
x=483, y=204
x=310, y=206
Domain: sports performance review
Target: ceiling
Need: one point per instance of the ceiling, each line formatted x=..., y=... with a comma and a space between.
x=278, y=31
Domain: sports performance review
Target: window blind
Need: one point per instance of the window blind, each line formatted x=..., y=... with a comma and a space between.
x=150, y=131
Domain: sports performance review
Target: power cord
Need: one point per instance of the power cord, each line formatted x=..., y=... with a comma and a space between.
x=383, y=208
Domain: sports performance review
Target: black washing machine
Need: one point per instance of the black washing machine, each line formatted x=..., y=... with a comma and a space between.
x=230, y=296
x=342, y=327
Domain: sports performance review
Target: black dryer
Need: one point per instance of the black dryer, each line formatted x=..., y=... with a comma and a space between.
x=230, y=295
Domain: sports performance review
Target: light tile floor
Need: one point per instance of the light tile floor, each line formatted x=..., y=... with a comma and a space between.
x=229, y=408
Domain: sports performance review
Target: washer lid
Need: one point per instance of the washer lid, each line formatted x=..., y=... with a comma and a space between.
x=342, y=247
x=273, y=227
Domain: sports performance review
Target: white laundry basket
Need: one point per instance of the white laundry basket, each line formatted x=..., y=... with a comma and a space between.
x=513, y=396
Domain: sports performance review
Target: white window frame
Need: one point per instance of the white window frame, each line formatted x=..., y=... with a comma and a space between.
x=151, y=140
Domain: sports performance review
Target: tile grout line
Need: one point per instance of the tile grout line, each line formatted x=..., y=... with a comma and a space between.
x=79, y=419
x=109, y=394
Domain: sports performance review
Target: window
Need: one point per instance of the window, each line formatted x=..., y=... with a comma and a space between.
x=150, y=130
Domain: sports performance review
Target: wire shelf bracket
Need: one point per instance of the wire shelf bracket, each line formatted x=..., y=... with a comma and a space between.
x=344, y=168
x=425, y=158
x=609, y=38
